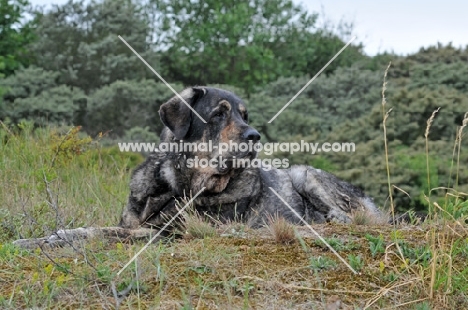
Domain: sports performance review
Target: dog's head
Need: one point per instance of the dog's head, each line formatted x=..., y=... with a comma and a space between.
x=225, y=115
x=226, y=123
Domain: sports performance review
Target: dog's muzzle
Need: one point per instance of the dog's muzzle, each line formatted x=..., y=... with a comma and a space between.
x=251, y=135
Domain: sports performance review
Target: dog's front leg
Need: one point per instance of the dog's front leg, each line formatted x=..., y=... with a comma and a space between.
x=149, y=193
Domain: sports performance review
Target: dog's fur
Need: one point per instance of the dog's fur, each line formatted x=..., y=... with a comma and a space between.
x=230, y=193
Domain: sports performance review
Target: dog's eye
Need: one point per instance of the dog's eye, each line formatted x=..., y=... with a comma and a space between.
x=218, y=115
x=246, y=117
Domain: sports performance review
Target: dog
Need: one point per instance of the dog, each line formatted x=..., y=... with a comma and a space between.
x=230, y=192
x=225, y=191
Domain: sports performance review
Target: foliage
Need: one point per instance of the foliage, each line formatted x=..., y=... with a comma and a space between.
x=15, y=35
x=35, y=95
x=79, y=41
x=376, y=244
x=126, y=104
x=140, y=134
x=356, y=261
x=321, y=263
x=242, y=43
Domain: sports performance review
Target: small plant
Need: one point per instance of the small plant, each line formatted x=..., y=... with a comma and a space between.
x=246, y=290
x=71, y=144
x=423, y=306
x=322, y=263
x=334, y=242
x=416, y=255
x=337, y=244
x=458, y=209
x=376, y=244
x=390, y=277
x=281, y=230
x=356, y=262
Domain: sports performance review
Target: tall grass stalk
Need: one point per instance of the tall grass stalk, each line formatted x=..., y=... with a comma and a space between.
x=385, y=116
x=459, y=138
x=426, y=137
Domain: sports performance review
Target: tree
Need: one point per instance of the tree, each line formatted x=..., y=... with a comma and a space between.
x=244, y=43
x=123, y=105
x=227, y=42
x=35, y=94
x=80, y=41
x=14, y=35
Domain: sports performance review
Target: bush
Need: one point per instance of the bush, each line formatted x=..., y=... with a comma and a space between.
x=126, y=104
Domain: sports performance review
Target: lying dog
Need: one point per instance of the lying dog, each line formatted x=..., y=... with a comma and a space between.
x=230, y=191
x=226, y=191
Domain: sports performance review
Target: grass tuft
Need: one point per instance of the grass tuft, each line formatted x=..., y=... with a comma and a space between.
x=193, y=225
x=368, y=218
x=281, y=230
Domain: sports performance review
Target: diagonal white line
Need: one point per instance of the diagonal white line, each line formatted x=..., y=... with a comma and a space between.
x=315, y=232
x=161, y=78
x=159, y=232
x=312, y=79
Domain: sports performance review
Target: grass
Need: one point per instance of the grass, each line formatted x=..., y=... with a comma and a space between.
x=193, y=225
x=281, y=230
x=365, y=217
x=59, y=178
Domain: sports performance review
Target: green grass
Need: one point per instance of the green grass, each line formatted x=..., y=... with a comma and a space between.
x=55, y=178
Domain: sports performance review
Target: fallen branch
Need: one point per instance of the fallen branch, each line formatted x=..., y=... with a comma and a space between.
x=66, y=237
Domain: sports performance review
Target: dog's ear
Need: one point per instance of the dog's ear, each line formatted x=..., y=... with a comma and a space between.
x=176, y=115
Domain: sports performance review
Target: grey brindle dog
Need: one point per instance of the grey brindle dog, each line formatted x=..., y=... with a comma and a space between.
x=230, y=192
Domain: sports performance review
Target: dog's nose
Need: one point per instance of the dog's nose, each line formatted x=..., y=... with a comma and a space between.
x=251, y=134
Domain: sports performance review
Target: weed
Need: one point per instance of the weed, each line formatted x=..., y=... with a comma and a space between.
x=357, y=262
x=420, y=254
x=321, y=263
x=246, y=290
x=334, y=242
x=423, y=306
x=457, y=210
x=376, y=244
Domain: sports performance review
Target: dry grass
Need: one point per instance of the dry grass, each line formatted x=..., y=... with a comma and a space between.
x=281, y=230
x=368, y=218
x=193, y=224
